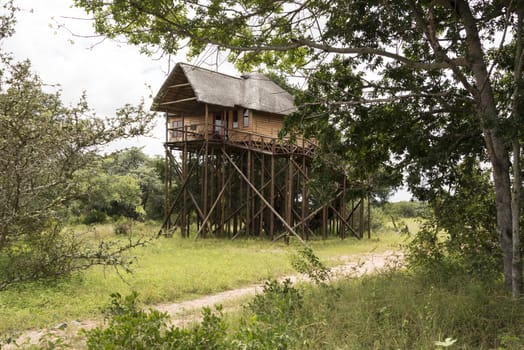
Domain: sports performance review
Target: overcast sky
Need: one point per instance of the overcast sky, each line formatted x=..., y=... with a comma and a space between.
x=112, y=74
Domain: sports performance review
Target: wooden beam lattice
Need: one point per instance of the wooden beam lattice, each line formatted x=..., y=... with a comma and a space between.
x=253, y=187
x=271, y=186
x=178, y=171
x=217, y=200
x=329, y=204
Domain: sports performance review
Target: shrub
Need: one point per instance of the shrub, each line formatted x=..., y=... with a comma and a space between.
x=132, y=328
x=461, y=228
x=94, y=216
x=405, y=209
x=129, y=327
x=306, y=262
x=274, y=319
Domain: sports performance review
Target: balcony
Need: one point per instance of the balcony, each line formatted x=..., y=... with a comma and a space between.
x=218, y=134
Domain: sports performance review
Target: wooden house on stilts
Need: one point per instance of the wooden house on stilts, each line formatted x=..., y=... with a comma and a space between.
x=228, y=174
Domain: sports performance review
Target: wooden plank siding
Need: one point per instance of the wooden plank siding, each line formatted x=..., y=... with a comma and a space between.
x=267, y=124
x=261, y=125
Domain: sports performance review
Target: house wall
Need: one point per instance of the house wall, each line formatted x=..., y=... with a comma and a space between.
x=260, y=125
x=267, y=124
x=193, y=126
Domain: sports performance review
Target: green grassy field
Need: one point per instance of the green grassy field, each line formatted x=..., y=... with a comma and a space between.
x=435, y=308
x=168, y=270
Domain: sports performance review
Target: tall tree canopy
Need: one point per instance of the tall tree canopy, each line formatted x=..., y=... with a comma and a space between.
x=437, y=80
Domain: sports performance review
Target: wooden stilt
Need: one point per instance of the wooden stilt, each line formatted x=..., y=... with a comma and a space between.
x=289, y=195
x=252, y=221
x=361, y=219
x=248, y=195
x=167, y=190
x=222, y=199
x=324, y=221
x=183, y=226
x=289, y=228
x=305, y=199
x=262, y=182
x=272, y=198
x=369, y=218
x=343, y=208
x=167, y=180
x=351, y=215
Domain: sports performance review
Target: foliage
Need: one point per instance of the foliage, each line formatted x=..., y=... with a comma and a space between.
x=108, y=196
x=146, y=171
x=273, y=320
x=272, y=324
x=278, y=302
x=123, y=184
x=405, y=209
x=129, y=327
x=44, y=146
x=461, y=231
x=306, y=262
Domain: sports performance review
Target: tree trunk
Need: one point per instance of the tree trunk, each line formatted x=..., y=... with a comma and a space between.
x=515, y=200
x=489, y=118
x=504, y=218
x=516, y=287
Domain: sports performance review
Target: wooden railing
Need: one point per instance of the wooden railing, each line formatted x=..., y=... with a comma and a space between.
x=241, y=138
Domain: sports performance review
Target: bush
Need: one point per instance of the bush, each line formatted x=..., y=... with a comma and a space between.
x=405, y=209
x=306, y=262
x=278, y=304
x=132, y=328
x=378, y=218
x=274, y=319
x=94, y=216
x=460, y=231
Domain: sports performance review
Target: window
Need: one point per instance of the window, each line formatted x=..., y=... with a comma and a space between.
x=219, y=124
x=235, y=119
x=178, y=128
x=246, y=118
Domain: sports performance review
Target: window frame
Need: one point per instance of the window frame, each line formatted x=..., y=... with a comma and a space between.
x=177, y=128
x=235, y=119
x=246, y=118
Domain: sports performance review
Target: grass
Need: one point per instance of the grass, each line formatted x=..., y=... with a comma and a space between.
x=392, y=310
x=403, y=310
x=168, y=270
x=399, y=309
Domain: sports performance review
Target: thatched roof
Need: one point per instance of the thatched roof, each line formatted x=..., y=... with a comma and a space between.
x=188, y=88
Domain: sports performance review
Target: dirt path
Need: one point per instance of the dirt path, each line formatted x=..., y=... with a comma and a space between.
x=186, y=312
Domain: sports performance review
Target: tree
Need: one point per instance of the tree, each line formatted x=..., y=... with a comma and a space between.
x=430, y=54
x=135, y=163
x=43, y=146
x=125, y=183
